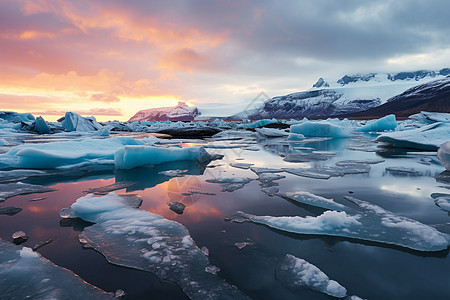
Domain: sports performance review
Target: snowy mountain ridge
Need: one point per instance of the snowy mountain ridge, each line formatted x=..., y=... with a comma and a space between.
x=181, y=112
x=349, y=94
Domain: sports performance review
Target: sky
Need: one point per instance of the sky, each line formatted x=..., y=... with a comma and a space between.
x=111, y=58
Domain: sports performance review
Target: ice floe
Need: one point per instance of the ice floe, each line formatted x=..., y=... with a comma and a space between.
x=313, y=200
x=367, y=222
x=244, y=166
x=271, y=132
x=431, y=117
x=27, y=275
x=428, y=137
x=8, y=190
x=65, y=154
x=296, y=272
x=139, y=239
x=442, y=200
x=230, y=184
x=444, y=154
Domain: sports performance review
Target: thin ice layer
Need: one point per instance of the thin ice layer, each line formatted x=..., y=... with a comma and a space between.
x=313, y=200
x=295, y=271
x=368, y=222
x=130, y=157
x=139, y=239
x=8, y=190
x=27, y=275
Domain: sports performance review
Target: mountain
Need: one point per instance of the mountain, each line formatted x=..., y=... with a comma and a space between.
x=181, y=112
x=349, y=94
x=432, y=96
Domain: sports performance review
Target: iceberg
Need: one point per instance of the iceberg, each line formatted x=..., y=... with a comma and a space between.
x=444, y=154
x=320, y=129
x=139, y=239
x=27, y=275
x=431, y=117
x=295, y=271
x=313, y=200
x=15, y=117
x=428, y=137
x=261, y=123
x=75, y=122
x=383, y=124
x=40, y=126
x=65, y=154
x=368, y=222
x=271, y=132
x=293, y=137
x=230, y=184
x=130, y=157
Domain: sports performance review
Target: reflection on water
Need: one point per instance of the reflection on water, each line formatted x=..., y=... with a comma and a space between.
x=368, y=270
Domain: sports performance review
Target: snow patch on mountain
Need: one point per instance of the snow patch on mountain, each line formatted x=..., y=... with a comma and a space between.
x=181, y=112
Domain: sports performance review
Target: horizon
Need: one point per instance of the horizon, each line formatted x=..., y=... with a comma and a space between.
x=114, y=59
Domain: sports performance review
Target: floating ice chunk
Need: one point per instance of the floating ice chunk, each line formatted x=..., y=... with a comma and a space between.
x=140, y=239
x=242, y=245
x=369, y=222
x=8, y=190
x=244, y=166
x=258, y=170
x=230, y=184
x=428, y=137
x=176, y=207
x=66, y=153
x=173, y=173
x=344, y=163
x=295, y=137
x=270, y=191
x=444, y=154
x=304, y=157
x=261, y=123
x=307, y=173
x=75, y=122
x=431, y=117
x=320, y=129
x=40, y=126
x=311, y=199
x=386, y=123
x=442, y=200
x=130, y=157
x=271, y=132
x=15, y=117
x=403, y=170
x=3, y=142
x=19, y=174
x=295, y=271
x=10, y=210
x=224, y=145
x=103, y=190
x=27, y=275
x=265, y=177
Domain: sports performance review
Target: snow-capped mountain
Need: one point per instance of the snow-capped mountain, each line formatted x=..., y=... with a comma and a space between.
x=432, y=96
x=349, y=94
x=181, y=112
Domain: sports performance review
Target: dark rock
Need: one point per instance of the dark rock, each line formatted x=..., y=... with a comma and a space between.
x=191, y=132
x=10, y=210
x=19, y=237
x=177, y=207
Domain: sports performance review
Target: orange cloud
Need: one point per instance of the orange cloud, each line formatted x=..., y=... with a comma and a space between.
x=185, y=59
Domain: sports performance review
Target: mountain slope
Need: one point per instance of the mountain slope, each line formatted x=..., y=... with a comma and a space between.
x=432, y=96
x=347, y=95
x=181, y=112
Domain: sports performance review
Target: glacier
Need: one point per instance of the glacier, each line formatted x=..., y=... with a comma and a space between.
x=143, y=240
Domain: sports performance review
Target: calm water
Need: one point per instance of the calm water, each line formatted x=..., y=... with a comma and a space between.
x=369, y=270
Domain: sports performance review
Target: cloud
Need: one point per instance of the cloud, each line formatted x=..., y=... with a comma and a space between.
x=105, y=98
x=94, y=111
